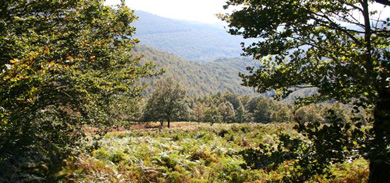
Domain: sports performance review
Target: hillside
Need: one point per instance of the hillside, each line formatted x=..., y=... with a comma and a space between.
x=192, y=41
x=203, y=57
x=199, y=78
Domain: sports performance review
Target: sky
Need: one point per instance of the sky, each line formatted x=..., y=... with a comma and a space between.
x=203, y=11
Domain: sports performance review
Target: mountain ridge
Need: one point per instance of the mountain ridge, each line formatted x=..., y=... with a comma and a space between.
x=192, y=41
x=199, y=78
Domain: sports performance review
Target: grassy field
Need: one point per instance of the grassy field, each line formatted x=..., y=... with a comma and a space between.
x=191, y=152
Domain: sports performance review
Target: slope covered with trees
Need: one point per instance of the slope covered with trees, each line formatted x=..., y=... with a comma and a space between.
x=206, y=78
x=199, y=78
x=196, y=42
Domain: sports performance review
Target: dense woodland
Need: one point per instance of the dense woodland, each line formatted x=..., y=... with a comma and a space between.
x=82, y=101
x=189, y=40
x=198, y=78
x=212, y=77
x=231, y=107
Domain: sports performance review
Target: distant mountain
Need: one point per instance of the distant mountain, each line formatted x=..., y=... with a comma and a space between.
x=214, y=54
x=199, y=78
x=192, y=41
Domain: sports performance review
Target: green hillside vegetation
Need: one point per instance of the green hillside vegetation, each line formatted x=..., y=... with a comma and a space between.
x=196, y=42
x=197, y=153
x=81, y=101
x=165, y=105
x=208, y=78
x=198, y=78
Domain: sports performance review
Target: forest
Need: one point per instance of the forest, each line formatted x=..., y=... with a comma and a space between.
x=82, y=100
x=191, y=41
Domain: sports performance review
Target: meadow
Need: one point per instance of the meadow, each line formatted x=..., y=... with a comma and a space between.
x=194, y=152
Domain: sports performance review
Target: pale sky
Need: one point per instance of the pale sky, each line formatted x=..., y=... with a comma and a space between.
x=191, y=10
x=197, y=10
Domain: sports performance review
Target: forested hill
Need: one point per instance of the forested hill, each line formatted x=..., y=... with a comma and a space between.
x=192, y=41
x=199, y=78
x=214, y=54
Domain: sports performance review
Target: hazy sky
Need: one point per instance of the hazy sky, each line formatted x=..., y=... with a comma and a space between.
x=196, y=10
x=191, y=10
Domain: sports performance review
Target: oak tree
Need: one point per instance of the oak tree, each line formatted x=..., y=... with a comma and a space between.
x=167, y=102
x=341, y=47
x=62, y=63
x=227, y=112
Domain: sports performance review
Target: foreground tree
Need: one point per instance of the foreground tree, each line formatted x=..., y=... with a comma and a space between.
x=341, y=47
x=167, y=102
x=62, y=63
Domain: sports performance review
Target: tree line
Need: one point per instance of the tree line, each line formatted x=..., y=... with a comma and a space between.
x=169, y=102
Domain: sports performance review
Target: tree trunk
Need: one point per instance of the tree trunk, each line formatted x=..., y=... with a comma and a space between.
x=379, y=156
x=379, y=172
x=169, y=123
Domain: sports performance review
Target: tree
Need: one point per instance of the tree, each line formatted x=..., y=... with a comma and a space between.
x=241, y=114
x=252, y=104
x=264, y=110
x=212, y=115
x=339, y=110
x=233, y=99
x=281, y=115
x=341, y=47
x=61, y=65
x=227, y=112
x=167, y=102
x=308, y=113
x=198, y=112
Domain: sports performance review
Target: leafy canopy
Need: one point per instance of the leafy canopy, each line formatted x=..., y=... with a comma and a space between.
x=336, y=46
x=341, y=47
x=61, y=64
x=167, y=102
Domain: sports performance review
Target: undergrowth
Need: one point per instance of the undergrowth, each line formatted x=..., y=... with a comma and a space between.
x=196, y=153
